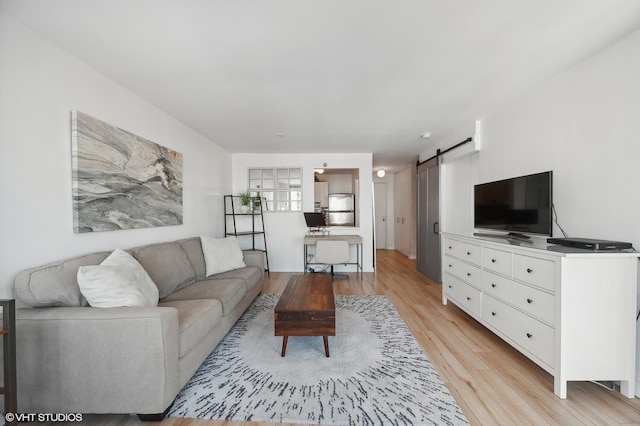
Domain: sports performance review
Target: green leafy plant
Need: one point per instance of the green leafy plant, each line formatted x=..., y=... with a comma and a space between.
x=245, y=198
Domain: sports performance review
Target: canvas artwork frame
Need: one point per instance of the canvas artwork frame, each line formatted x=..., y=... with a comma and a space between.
x=121, y=180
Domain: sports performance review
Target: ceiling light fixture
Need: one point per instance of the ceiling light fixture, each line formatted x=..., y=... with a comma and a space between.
x=381, y=173
x=425, y=135
x=318, y=171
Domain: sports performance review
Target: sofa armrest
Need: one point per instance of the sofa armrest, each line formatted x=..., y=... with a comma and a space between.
x=254, y=258
x=97, y=360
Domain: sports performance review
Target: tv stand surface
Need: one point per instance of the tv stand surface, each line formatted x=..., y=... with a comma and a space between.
x=510, y=236
x=518, y=236
x=541, y=301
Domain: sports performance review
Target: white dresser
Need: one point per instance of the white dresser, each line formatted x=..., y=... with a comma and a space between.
x=572, y=312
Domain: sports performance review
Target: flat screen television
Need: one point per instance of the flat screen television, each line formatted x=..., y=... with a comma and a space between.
x=518, y=205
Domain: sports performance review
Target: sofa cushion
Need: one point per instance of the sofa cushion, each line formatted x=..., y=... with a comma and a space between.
x=167, y=265
x=228, y=291
x=53, y=284
x=221, y=254
x=119, y=280
x=196, y=318
x=193, y=249
x=251, y=275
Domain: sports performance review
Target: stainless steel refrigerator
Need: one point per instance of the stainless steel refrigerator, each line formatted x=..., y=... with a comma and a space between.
x=341, y=211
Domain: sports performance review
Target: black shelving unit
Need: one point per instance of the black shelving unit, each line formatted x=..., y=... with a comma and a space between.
x=249, y=223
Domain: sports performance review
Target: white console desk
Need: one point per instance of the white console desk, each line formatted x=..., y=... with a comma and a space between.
x=571, y=311
x=356, y=240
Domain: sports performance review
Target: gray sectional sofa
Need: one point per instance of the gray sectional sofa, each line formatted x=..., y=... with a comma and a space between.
x=73, y=358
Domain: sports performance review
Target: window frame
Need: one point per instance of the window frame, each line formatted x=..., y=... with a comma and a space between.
x=280, y=187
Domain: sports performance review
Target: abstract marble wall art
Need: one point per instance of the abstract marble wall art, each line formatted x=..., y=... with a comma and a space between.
x=120, y=180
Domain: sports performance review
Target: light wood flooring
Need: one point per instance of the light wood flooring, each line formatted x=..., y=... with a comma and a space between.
x=492, y=382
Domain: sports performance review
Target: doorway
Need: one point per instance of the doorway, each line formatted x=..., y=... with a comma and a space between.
x=380, y=197
x=428, y=229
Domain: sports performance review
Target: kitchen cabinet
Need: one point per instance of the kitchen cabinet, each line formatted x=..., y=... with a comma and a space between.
x=321, y=194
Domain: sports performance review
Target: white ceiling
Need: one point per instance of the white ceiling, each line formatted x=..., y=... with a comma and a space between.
x=304, y=76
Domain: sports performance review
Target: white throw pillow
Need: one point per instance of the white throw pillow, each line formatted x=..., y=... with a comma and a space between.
x=221, y=254
x=118, y=281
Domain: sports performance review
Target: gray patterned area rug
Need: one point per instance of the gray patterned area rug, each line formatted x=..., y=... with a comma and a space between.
x=376, y=374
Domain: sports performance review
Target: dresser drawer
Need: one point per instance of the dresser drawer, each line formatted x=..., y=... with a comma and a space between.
x=532, y=335
x=451, y=247
x=533, y=270
x=462, y=294
x=464, y=271
x=531, y=300
x=470, y=253
x=497, y=260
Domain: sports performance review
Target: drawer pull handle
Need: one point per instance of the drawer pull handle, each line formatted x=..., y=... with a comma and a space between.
x=450, y=247
x=450, y=266
x=450, y=286
x=529, y=335
x=493, y=313
x=529, y=270
x=468, y=298
x=468, y=274
x=493, y=261
x=468, y=253
x=493, y=285
x=529, y=301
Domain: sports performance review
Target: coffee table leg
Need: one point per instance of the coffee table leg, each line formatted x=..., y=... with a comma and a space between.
x=326, y=345
x=284, y=345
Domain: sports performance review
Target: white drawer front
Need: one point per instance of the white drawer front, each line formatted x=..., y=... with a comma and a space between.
x=451, y=247
x=531, y=300
x=497, y=260
x=470, y=253
x=532, y=335
x=469, y=273
x=462, y=294
x=539, y=272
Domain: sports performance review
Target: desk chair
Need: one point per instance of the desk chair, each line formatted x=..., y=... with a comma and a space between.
x=332, y=253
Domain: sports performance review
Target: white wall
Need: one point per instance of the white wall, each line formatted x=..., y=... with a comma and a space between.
x=39, y=86
x=582, y=124
x=457, y=177
x=285, y=231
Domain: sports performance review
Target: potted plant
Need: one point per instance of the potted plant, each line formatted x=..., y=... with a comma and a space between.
x=245, y=201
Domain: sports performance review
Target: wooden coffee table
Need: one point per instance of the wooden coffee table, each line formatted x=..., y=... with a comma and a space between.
x=306, y=308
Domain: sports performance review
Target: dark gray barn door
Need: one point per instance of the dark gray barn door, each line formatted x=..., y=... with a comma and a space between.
x=428, y=239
